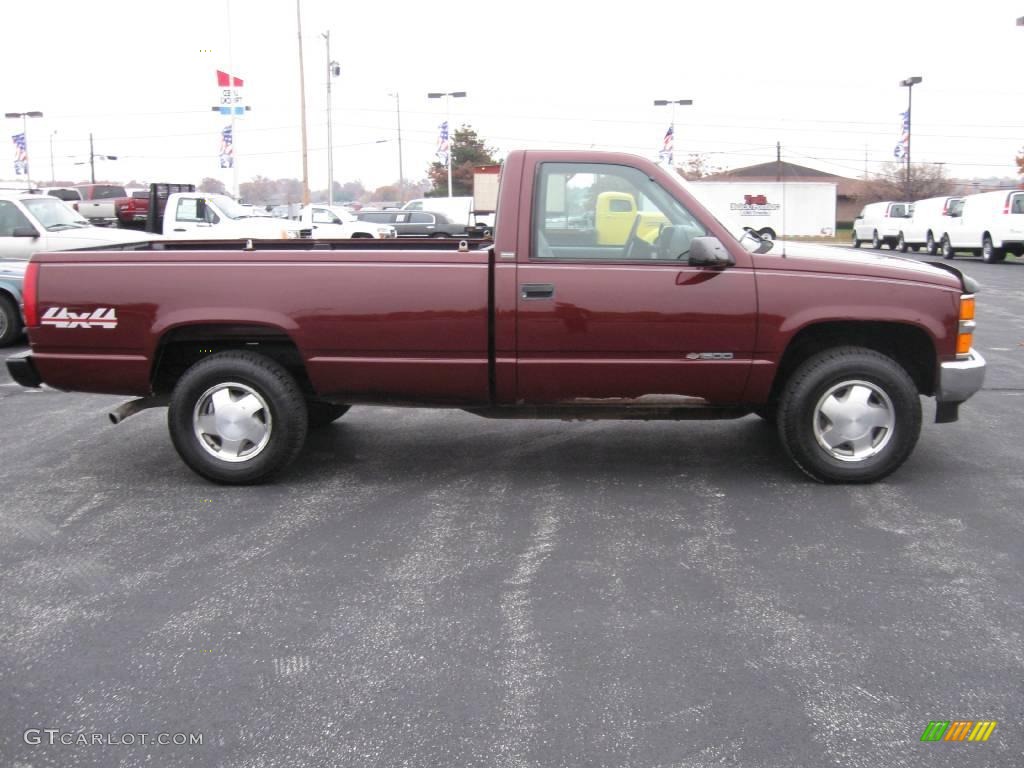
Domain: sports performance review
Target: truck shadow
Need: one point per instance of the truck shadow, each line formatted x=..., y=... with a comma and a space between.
x=433, y=448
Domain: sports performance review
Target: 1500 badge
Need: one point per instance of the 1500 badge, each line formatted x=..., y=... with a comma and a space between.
x=62, y=317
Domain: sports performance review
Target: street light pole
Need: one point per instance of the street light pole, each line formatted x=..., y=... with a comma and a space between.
x=909, y=84
x=401, y=168
x=447, y=118
x=302, y=95
x=24, y=132
x=333, y=70
x=672, y=123
x=53, y=175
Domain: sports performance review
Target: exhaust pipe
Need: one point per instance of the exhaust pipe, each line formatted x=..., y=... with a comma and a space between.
x=124, y=410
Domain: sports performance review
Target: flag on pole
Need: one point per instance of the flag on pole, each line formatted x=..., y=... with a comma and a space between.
x=443, y=146
x=227, y=149
x=900, y=150
x=230, y=100
x=666, y=146
x=20, y=154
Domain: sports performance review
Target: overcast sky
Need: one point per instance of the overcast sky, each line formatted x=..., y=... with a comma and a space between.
x=820, y=78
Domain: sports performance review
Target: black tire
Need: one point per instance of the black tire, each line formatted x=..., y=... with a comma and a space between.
x=767, y=233
x=853, y=235
x=849, y=372
x=989, y=253
x=439, y=234
x=10, y=321
x=901, y=244
x=279, y=405
x=930, y=246
x=321, y=414
x=876, y=242
x=947, y=248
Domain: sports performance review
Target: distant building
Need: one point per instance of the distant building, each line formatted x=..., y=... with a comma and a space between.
x=848, y=191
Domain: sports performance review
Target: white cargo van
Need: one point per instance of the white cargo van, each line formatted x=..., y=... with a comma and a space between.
x=991, y=224
x=929, y=218
x=879, y=223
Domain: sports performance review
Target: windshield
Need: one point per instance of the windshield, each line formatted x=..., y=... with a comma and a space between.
x=53, y=214
x=752, y=242
x=229, y=207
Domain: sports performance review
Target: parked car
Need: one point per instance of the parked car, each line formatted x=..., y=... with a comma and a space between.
x=928, y=220
x=990, y=224
x=415, y=223
x=336, y=222
x=99, y=202
x=879, y=223
x=29, y=223
x=12, y=279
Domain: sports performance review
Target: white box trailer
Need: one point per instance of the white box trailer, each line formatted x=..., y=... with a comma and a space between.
x=772, y=209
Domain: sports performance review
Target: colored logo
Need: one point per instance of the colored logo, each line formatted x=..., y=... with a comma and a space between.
x=958, y=730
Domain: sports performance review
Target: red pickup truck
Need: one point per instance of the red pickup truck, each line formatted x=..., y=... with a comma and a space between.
x=645, y=309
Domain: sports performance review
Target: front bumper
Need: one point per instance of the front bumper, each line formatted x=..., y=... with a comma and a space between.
x=960, y=379
x=22, y=370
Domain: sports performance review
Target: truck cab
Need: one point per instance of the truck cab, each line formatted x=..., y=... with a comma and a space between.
x=193, y=215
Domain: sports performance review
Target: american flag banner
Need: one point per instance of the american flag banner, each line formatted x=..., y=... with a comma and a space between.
x=20, y=154
x=443, y=146
x=901, y=146
x=665, y=154
x=227, y=148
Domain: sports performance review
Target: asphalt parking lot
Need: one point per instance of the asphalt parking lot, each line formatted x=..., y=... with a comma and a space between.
x=427, y=588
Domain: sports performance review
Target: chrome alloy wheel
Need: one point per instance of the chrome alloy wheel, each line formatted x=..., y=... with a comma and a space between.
x=854, y=420
x=232, y=422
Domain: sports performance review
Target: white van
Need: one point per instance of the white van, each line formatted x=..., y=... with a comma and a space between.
x=879, y=223
x=990, y=224
x=929, y=218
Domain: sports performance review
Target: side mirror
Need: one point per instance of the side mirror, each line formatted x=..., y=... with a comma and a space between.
x=25, y=232
x=709, y=252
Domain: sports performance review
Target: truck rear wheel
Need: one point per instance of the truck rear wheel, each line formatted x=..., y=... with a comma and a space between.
x=849, y=415
x=989, y=253
x=10, y=321
x=237, y=418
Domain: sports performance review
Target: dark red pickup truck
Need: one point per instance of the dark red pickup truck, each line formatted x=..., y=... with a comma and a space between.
x=644, y=307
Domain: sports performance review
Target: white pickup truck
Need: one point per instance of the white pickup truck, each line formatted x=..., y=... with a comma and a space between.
x=99, y=202
x=199, y=215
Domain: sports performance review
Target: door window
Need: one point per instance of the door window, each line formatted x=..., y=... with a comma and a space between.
x=11, y=219
x=608, y=212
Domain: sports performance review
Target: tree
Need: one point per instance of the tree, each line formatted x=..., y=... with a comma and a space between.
x=468, y=150
x=1020, y=164
x=697, y=166
x=213, y=186
x=926, y=180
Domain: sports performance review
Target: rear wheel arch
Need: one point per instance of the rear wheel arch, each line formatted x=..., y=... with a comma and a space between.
x=181, y=347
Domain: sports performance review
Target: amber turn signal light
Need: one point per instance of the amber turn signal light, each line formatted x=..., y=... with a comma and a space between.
x=966, y=307
x=963, y=343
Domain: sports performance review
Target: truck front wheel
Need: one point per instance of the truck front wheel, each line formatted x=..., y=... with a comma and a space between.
x=849, y=415
x=237, y=417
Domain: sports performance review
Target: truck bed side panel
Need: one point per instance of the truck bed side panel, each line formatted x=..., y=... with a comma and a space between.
x=400, y=327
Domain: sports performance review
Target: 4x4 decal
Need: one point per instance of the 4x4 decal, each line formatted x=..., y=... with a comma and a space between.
x=62, y=317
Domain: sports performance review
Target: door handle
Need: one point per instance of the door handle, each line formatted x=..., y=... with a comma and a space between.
x=537, y=291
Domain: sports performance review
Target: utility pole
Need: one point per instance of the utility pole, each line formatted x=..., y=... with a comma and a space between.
x=53, y=176
x=302, y=93
x=778, y=161
x=333, y=70
x=401, y=168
